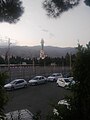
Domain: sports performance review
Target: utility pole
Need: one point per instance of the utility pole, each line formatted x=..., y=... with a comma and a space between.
x=70, y=63
x=8, y=57
x=8, y=53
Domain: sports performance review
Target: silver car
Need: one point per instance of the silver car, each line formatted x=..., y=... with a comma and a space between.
x=37, y=80
x=15, y=84
x=54, y=77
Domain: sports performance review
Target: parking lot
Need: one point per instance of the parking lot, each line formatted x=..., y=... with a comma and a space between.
x=36, y=98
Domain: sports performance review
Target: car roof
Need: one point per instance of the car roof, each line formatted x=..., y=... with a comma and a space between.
x=39, y=76
x=18, y=79
x=66, y=78
x=56, y=73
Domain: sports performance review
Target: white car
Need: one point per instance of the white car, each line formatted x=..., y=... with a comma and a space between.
x=54, y=77
x=15, y=84
x=63, y=82
x=37, y=80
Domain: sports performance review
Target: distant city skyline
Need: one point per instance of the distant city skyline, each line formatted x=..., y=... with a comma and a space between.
x=34, y=25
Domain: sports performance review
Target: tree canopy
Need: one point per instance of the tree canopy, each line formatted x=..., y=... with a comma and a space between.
x=87, y=2
x=10, y=10
x=55, y=8
x=79, y=102
x=3, y=96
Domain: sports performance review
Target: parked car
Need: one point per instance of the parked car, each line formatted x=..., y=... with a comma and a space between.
x=15, y=84
x=68, y=74
x=54, y=77
x=63, y=82
x=70, y=85
x=37, y=80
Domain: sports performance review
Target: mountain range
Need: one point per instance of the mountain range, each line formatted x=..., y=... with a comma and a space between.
x=34, y=51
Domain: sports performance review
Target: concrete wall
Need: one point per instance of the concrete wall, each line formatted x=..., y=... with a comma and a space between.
x=27, y=72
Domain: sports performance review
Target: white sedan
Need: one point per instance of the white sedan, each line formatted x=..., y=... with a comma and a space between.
x=63, y=82
x=37, y=80
x=15, y=84
x=54, y=77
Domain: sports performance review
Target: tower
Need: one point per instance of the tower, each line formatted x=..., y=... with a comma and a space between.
x=42, y=54
x=42, y=44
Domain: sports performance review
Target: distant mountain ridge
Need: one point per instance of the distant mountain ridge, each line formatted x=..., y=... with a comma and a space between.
x=34, y=51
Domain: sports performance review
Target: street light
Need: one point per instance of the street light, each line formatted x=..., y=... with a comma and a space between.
x=9, y=43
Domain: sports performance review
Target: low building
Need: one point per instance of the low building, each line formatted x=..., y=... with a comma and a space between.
x=19, y=115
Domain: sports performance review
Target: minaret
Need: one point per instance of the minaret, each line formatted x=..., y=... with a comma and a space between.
x=42, y=54
x=42, y=44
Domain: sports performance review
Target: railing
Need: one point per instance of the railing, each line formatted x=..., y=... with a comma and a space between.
x=29, y=71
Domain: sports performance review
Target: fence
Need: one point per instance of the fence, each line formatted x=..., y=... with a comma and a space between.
x=29, y=71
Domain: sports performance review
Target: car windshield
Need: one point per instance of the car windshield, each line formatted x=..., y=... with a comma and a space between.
x=53, y=75
x=35, y=78
x=67, y=80
x=57, y=74
x=13, y=82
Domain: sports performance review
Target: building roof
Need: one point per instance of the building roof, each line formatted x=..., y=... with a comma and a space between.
x=24, y=114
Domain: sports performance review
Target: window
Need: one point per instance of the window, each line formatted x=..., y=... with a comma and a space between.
x=66, y=80
x=21, y=81
x=42, y=77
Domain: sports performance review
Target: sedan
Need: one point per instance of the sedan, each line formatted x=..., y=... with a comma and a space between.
x=54, y=77
x=63, y=82
x=15, y=84
x=37, y=80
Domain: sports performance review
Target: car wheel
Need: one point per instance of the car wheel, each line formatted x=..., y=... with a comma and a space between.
x=25, y=85
x=45, y=81
x=12, y=88
x=58, y=85
x=54, y=80
x=36, y=83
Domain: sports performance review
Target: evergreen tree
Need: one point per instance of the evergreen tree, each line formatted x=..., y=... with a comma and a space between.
x=82, y=76
x=79, y=102
x=67, y=59
x=10, y=10
x=2, y=60
x=3, y=96
x=55, y=8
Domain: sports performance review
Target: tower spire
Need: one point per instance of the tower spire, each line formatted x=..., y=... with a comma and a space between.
x=42, y=44
x=42, y=54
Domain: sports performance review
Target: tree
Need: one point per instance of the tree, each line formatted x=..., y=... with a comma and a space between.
x=55, y=8
x=87, y=2
x=3, y=96
x=67, y=59
x=10, y=10
x=81, y=72
x=79, y=102
x=2, y=61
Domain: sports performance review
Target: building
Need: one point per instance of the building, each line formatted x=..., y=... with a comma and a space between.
x=42, y=52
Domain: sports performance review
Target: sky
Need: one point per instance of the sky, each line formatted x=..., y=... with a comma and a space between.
x=65, y=31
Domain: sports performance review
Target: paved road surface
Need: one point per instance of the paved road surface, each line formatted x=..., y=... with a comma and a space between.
x=35, y=98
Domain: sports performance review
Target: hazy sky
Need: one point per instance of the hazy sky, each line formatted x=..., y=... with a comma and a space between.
x=34, y=25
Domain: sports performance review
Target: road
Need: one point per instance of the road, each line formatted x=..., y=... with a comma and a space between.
x=35, y=98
